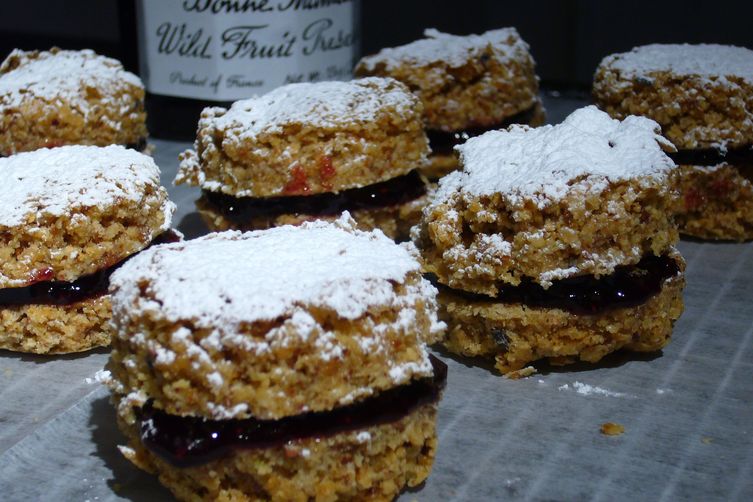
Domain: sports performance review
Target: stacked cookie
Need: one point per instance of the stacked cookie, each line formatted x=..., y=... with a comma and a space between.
x=58, y=97
x=702, y=96
x=557, y=242
x=467, y=84
x=312, y=151
x=70, y=216
x=285, y=364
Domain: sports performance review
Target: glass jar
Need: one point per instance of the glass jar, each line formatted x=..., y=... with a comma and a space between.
x=197, y=53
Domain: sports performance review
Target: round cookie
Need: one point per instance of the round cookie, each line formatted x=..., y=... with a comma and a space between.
x=467, y=85
x=70, y=215
x=549, y=203
x=320, y=142
x=58, y=97
x=537, y=215
x=702, y=95
x=270, y=328
x=716, y=201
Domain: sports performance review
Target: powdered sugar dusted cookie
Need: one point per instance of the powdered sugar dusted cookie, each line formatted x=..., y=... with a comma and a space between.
x=717, y=199
x=702, y=96
x=305, y=151
x=467, y=84
x=59, y=97
x=68, y=216
x=537, y=213
x=293, y=325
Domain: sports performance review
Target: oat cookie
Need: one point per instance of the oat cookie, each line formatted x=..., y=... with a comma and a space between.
x=717, y=201
x=467, y=84
x=702, y=96
x=538, y=215
x=58, y=97
x=70, y=215
x=328, y=143
x=290, y=329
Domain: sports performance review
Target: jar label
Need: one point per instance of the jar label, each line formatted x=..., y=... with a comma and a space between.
x=224, y=50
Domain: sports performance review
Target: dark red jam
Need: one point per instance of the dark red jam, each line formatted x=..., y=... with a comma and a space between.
x=190, y=441
x=46, y=292
x=713, y=156
x=240, y=210
x=442, y=142
x=628, y=286
x=140, y=145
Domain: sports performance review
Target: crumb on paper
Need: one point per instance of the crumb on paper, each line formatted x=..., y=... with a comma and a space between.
x=707, y=440
x=521, y=373
x=102, y=377
x=590, y=390
x=8, y=372
x=612, y=429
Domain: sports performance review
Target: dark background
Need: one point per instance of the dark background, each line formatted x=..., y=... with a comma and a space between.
x=568, y=38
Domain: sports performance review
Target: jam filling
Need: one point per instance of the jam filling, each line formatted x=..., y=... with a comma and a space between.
x=140, y=145
x=191, y=441
x=90, y=286
x=713, y=156
x=442, y=142
x=628, y=286
x=240, y=210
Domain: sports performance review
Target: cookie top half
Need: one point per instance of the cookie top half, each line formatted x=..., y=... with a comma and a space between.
x=59, y=97
x=73, y=210
x=463, y=81
x=701, y=95
x=271, y=323
x=309, y=138
x=552, y=202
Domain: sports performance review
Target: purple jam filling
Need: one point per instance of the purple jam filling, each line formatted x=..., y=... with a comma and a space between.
x=713, y=156
x=392, y=192
x=191, y=441
x=68, y=293
x=628, y=286
x=442, y=142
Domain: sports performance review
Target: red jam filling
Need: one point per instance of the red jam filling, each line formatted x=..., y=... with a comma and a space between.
x=47, y=292
x=442, y=142
x=628, y=286
x=240, y=210
x=713, y=156
x=191, y=441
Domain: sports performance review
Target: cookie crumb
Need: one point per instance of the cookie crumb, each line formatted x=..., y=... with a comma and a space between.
x=707, y=440
x=521, y=373
x=612, y=429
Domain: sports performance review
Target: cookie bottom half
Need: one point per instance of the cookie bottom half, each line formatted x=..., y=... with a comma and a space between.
x=56, y=329
x=373, y=464
x=716, y=201
x=516, y=335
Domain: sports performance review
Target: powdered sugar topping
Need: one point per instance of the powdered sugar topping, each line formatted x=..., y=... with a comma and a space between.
x=703, y=60
x=542, y=164
x=321, y=104
x=60, y=180
x=222, y=280
x=60, y=75
x=452, y=50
